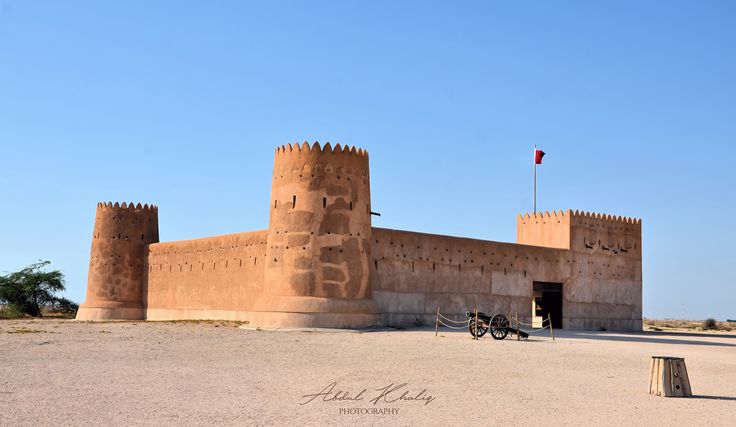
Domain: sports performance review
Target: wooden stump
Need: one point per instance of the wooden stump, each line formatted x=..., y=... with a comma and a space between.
x=669, y=377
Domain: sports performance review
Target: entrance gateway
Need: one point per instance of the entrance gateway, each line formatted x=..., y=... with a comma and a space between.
x=547, y=300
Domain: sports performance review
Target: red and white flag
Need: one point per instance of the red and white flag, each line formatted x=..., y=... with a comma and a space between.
x=538, y=154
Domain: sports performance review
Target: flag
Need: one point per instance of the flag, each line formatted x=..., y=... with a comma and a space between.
x=538, y=154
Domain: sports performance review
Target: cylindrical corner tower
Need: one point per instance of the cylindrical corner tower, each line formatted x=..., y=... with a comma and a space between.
x=116, y=278
x=318, y=250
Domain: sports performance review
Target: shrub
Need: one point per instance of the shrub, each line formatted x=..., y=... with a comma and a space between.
x=710, y=324
x=10, y=311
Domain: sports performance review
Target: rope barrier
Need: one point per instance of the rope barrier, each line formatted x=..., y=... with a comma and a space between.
x=454, y=321
x=443, y=320
x=527, y=324
x=534, y=330
x=454, y=327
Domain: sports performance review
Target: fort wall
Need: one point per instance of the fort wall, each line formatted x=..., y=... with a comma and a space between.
x=217, y=277
x=413, y=273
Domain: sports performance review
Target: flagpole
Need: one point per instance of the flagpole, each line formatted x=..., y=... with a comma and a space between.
x=534, y=159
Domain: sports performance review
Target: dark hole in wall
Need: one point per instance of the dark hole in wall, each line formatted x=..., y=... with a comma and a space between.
x=550, y=303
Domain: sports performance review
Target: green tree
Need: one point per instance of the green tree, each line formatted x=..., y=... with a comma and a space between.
x=32, y=289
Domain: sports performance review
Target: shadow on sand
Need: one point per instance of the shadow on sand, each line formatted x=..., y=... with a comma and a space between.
x=651, y=337
x=700, y=396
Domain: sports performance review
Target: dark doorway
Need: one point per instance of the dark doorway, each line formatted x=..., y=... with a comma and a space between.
x=548, y=301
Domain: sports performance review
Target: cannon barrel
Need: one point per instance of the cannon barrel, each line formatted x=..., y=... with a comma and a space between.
x=481, y=316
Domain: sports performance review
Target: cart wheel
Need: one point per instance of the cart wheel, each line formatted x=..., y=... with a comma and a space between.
x=478, y=331
x=499, y=326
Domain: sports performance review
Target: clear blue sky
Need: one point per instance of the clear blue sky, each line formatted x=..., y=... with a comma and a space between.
x=181, y=104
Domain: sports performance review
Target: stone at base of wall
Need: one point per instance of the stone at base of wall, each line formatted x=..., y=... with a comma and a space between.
x=596, y=324
x=269, y=318
x=267, y=311
x=110, y=313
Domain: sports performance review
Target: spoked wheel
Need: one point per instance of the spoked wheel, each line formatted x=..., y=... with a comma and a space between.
x=477, y=330
x=499, y=326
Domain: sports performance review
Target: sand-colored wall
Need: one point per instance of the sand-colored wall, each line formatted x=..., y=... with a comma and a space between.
x=606, y=278
x=413, y=273
x=195, y=278
x=223, y=277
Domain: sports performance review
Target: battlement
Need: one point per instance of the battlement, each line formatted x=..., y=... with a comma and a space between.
x=296, y=162
x=593, y=216
x=316, y=148
x=124, y=205
x=544, y=215
x=580, y=215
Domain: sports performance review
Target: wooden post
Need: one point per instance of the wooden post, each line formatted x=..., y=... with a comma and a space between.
x=551, y=331
x=476, y=323
x=668, y=377
x=437, y=322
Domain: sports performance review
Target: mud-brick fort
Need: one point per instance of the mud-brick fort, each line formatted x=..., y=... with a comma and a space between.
x=320, y=263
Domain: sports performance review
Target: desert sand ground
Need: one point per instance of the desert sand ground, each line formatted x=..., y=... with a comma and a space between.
x=55, y=372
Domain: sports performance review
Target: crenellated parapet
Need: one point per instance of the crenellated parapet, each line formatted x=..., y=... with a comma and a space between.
x=599, y=219
x=117, y=261
x=294, y=162
x=580, y=215
x=597, y=233
x=326, y=149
